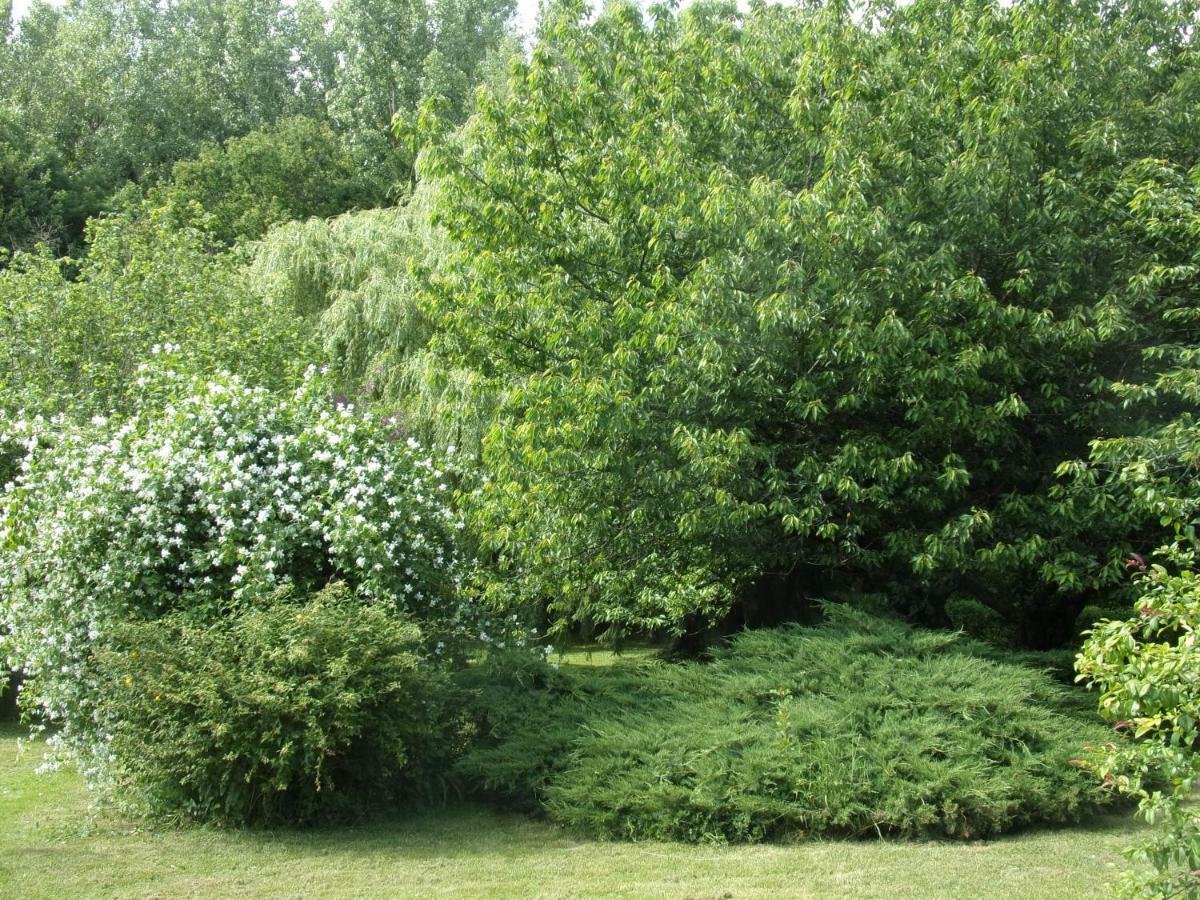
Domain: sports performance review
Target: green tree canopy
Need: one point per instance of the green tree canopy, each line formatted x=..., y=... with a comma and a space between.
x=810, y=301
x=112, y=93
x=293, y=169
x=123, y=90
x=357, y=278
x=394, y=55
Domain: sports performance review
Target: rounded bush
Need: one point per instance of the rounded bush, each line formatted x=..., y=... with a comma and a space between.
x=860, y=727
x=287, y=710
x=212, y=493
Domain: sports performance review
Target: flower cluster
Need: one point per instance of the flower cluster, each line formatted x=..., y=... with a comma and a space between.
x=204, y=502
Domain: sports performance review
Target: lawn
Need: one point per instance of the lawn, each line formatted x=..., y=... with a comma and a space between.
x=53, y=845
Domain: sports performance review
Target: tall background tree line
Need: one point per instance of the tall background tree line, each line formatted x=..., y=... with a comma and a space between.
x=100, y=98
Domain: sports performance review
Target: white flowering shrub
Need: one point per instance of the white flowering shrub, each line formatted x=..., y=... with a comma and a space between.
x=17, y=435
x=212, y=494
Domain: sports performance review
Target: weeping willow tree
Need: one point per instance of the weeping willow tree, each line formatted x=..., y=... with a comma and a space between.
x=357, y=277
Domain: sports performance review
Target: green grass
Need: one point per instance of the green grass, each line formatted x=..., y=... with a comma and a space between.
x=597, y=655
x=53, y=845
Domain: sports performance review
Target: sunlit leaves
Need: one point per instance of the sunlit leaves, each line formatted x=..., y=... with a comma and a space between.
x=778, y=289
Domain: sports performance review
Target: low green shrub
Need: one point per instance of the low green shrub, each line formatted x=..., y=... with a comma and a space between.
x=288, y=710
x=860, y=726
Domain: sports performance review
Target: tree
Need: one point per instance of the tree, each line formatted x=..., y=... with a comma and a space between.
x=397, y=54
x=115, y=93
x=357, y=278
x=30, y=177
x=806, y=302
x=121, y=91
x=293, y=169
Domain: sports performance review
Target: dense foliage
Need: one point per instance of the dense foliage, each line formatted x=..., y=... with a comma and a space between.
x=29, y=198
x=359, y=278
x=284, y=710
x=212, y=494
x=114, y=92
x=293, y=169
x=393, y=56
x=1147, y=670
x=858, y=727
x=76, y=330
x=806, y=302
x=1146, y=665
x=702, y=314
x=96, y=95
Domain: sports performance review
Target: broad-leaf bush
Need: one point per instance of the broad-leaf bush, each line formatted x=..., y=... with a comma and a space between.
x=858, y=727
x=210, y=494
x=1147, y=669
x=287, y=709
x=1144, y=660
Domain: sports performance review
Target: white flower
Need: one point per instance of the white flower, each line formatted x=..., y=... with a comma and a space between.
x=255, y=480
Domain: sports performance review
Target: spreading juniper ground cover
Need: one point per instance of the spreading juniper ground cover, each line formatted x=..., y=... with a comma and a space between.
x=841, y=355
x=858, y=727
